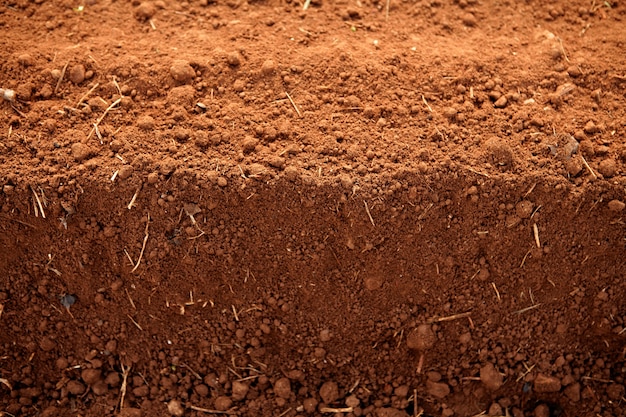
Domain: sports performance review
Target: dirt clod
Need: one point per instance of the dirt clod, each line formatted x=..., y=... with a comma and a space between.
x=421, y=338
x=490, y=377
x=182, y=72
x=329, y=392
x=282, y=388
x=175, y=408
x=545, y=383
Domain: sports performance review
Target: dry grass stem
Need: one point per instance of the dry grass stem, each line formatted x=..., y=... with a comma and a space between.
x=430, y=109
x=134, y=322
x=56, y=88
x=132, y=200
x=143, y=246
x=420, y=364
x=593, y=174
x=206, y=410
x=125, y=372
x=293, y=104
x=449, y=318
x=387, y=9
x=536, y=233
x=87, y=94
x=43, y=214
x=367, y=210
x=95, y=126
x=307, y=3
x=132, y=303
x=521, y=265
x=563, y=50
x=6, y=383
x=478, y=172
x=493, y=284
x=527, y=309
x=1, y=309
x=336, y=410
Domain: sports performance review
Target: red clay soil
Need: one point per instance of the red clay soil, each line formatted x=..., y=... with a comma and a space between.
x=389, y=209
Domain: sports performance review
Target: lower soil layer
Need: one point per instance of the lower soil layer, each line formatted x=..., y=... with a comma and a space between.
x=454, y=296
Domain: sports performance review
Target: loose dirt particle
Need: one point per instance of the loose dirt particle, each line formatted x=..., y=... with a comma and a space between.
x=437, y=389
x=501, y=102
x=125, y=172
x=268, y=67
x=591, y=128
x=608, y=168
x=390, y=412
x=524, y=209
x=145, y=11
x=329, y=392
x=145, y=122
x=175, y=408
x=469, y=19
x=233, y=59
x=491, y=377
x=77, y=74
x=421, y=338
x=91, y=376
x=81, y=151
x=545, y=383
x=616, y=205
x=240, y=390
x=542, y=410
x=282, y=388
x=75, y=387
x=572, y=392
x=182, y=72
x=223, y=403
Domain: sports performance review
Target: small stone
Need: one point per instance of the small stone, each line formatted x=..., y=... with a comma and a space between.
x=490, y=377
x=421, y=338
x=47, y=344
x=125, y=172
x=573, y=392
x=524, y=209
x=500, y=152
x=616, y=206
x=145, y=122
x=329, y=392
x=145, y=11
x=75, y=387
x=100, y=388
x=437, y=389
x=282, y=388
x=574, y=71
x=222, y=181
x=469, y=19
x=249, y=144
x=81, y=151
x=175, y=408
x=182, y=72
x=309, y=405
x=223, y=403
x=591, y=128
x=268, y=67
x=153, y=178
x=608, y=168
x=450, y=113
x=542, y=410
x=276, y=161
x=544, y=383
x=91, y=376
x=501, y=102
x=239, y=390
x=202, y=390
x=325, y=335
x=495, y=410
x=233, y=59
x=574, y=166
x=25, y=91
x=77, y=74
x=25, y=60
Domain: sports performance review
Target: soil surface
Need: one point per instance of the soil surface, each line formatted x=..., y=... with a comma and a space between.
x=344, y=208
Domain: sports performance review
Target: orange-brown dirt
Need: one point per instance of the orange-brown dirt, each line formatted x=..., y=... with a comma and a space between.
x=391, y=209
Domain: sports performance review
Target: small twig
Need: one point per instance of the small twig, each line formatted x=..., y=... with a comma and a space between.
x=143, y=247
x=293, y=104
x=593, y=174
x=367, y=209
x=336, y=410
x=449, y=318
x=132, y=200
x=526, y=309
x=61, y=78
x=536, y=233
x=84, y=97
x=95, y=126
x=426, y=103
x=387, y=10
x=563, y=50
x=134, y=322
x=206, y=410
x=493, y=284
x=307, y=3
x=43, y=214
x=125, y=372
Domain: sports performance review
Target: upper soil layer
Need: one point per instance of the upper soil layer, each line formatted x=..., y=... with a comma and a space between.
x=355, y=208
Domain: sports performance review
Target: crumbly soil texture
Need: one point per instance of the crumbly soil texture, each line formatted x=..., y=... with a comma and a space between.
x=326, y=208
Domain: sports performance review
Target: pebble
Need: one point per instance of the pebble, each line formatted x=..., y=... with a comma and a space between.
x=25, y=60
x=591, y=128
x=574, y=71
x=91, y=376
x=233, y=59
x=421, y=338
x=182, y=72
x=490, y=377
x=469, y=19
x=47, y=344
x=608, y=168
x=145, y=11
x=325, y=335
x=573, y=392
x=239, y=390
x=75, y=387
x=542, y=410
x=223, y=403
x=616, y=206
x=545, y=383
x=309, y=405
x=268, y=67
x=282, y=388
x=175, y=408
x=500, y=152
x=329, y=392
x=437, y=389
x=222, y=181
x=615, y=392
x=524, y=209
x=501, y=102
x=81, y=151
x=77, y=74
